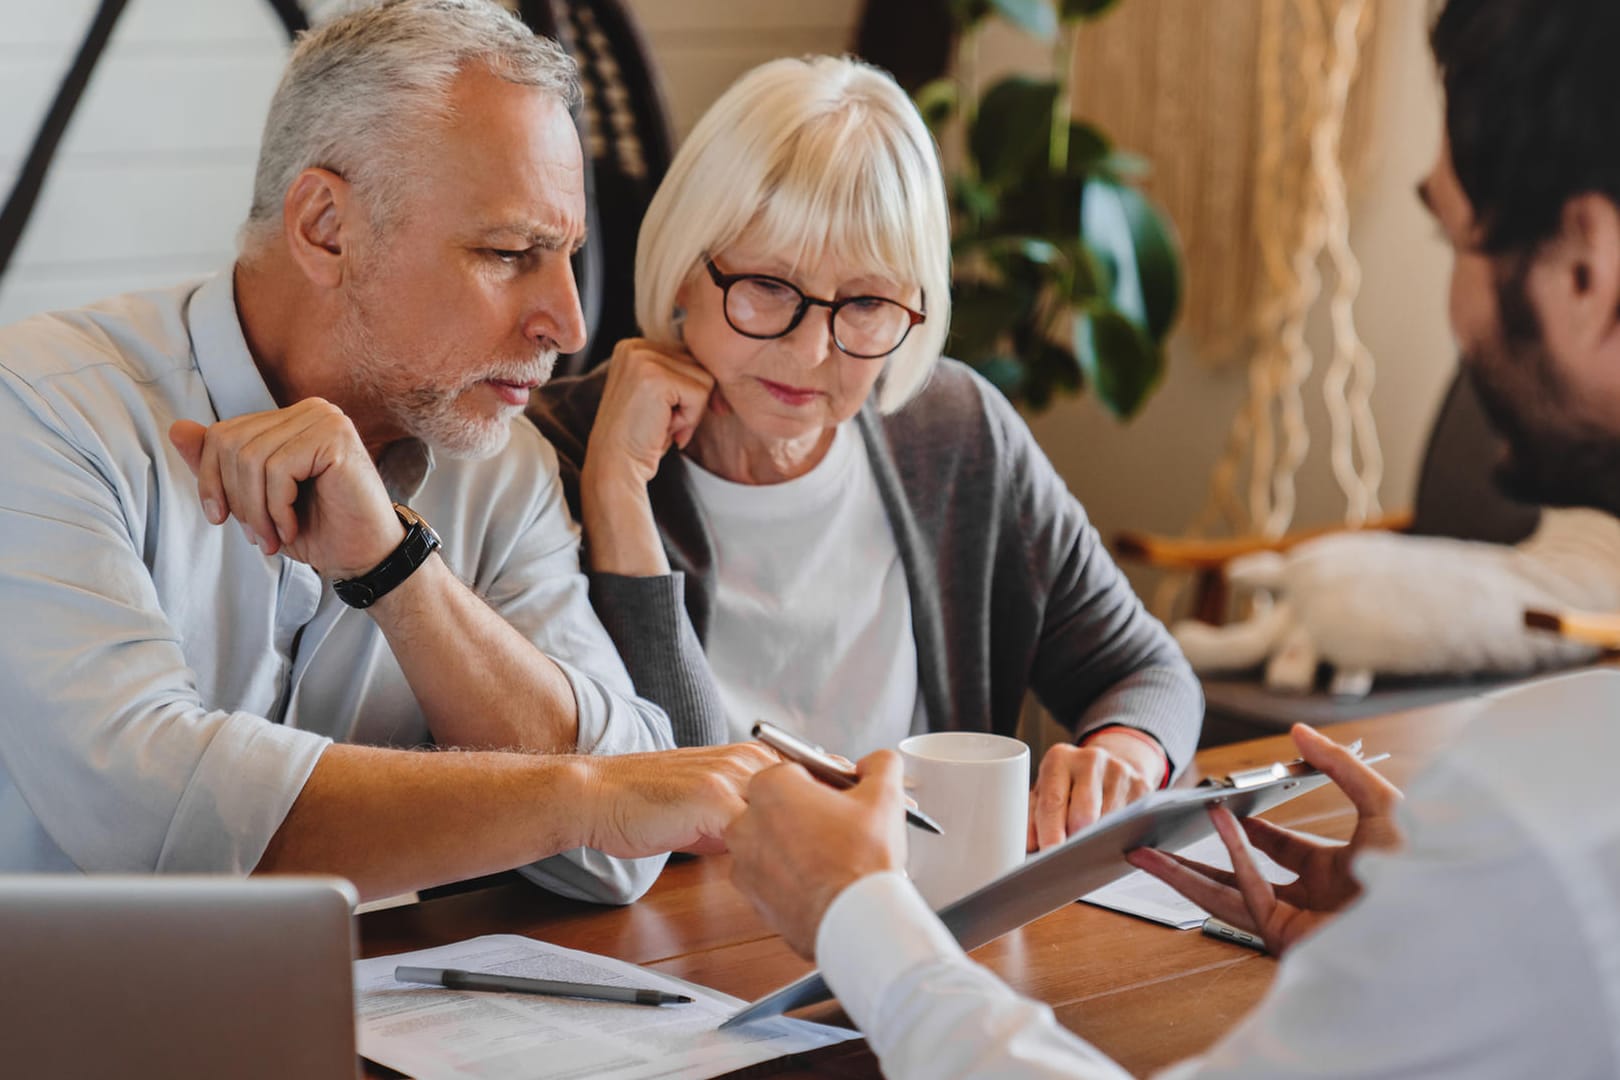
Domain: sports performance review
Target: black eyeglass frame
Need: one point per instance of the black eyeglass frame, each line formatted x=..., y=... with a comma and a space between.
x=725, y=281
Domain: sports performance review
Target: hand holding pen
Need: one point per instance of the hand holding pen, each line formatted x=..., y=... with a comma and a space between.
x=826, y=768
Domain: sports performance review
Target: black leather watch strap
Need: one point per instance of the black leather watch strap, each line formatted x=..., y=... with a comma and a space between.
x=420, y=542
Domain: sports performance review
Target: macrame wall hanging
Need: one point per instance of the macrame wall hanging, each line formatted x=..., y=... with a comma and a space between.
x=1254, y=113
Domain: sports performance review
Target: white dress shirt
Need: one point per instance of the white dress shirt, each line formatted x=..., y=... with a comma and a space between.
x=1490, y=948
x=165, y=688
x=811, y=627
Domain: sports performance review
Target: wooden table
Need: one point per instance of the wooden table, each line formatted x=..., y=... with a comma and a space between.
x=1145, y=994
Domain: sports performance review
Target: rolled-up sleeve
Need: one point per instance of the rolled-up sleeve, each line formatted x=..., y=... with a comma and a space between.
x=105, y=737
x=539, y=588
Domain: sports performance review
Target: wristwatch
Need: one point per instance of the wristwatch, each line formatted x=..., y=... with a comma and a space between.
x=420, y=542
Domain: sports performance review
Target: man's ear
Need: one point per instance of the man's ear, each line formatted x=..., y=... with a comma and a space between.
x=318, y=226
x=1588, y=271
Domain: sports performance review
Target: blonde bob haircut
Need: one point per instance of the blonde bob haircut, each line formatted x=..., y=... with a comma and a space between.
x=811, y=158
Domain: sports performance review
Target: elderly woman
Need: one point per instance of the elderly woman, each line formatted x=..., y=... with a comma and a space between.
x=795, y=509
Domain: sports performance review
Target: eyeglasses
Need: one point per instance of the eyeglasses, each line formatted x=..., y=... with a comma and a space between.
x=763, y=307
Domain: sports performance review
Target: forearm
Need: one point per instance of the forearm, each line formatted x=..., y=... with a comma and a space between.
x=646, y=618
x=480, y=684
x=395, y=821
x=621, y=535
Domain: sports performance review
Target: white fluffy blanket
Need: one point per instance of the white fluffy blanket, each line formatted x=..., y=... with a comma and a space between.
x=1374, y=603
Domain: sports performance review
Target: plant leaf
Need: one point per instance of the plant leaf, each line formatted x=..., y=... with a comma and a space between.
x=1089, y=149
x=973, y=201
x=1134, y=243
x=1006, y=373
x=983, y=315
x=1010, y=132
x=1031, y=16
x=937, y=101
x=1084, y=9
x=968, y=13
x=1120, y=363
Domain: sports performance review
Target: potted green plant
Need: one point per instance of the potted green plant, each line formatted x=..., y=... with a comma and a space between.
x=1067, y=277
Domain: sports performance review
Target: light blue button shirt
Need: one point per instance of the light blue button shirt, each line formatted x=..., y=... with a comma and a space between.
x=165, y=688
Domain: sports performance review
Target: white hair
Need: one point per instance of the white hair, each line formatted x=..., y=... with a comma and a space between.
x=359, y=90
x=810, y=157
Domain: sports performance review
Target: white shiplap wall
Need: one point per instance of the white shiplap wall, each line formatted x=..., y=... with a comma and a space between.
x=153, y=175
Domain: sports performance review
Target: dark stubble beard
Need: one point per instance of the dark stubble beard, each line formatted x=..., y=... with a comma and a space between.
x=1555, y=456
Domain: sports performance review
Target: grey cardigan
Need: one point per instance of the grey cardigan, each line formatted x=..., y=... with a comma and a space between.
x=1011, y=587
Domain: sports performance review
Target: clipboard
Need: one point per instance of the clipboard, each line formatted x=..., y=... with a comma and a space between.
x=1086, y=861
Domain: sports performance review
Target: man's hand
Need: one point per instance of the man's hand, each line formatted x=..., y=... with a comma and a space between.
x=1282, y=915
x=297, y=479
x=670, y=800
x=654, y=399
x=801, y=843
x=1079, y=784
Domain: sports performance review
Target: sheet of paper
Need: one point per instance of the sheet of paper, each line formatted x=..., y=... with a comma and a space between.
x=1146, y=896
x=431, y=1033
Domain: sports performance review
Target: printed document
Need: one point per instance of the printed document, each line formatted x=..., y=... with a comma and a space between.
x=431, y=1033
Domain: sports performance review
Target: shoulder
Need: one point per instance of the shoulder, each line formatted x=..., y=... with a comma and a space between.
x=123, y=364
x=1552, y=774
x=138, y=336
x=958, y=417
x=564, y=409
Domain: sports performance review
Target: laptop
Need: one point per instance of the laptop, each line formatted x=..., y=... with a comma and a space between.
x=177, y=977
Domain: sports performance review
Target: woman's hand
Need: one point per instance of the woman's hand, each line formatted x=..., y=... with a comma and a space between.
x=655, y=398
x=1077, y=785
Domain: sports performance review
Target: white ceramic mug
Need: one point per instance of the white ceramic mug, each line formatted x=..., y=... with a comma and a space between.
x=976, y=785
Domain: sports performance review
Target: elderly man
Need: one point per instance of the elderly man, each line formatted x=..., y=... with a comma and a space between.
x=263, y=535
x=1491, y=946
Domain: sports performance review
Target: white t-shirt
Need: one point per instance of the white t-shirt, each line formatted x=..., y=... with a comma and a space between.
x=812, y=620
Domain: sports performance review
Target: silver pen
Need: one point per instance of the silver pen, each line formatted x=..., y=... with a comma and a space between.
x=821, y=765
x=454, y=979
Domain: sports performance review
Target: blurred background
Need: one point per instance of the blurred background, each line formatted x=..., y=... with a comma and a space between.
x=1234, y=249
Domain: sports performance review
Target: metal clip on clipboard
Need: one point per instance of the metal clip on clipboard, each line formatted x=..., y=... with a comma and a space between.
x=1277, y=770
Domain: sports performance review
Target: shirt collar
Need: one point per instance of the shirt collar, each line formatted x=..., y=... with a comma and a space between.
x=228, y=372
x=404, y=468
x=236, y=387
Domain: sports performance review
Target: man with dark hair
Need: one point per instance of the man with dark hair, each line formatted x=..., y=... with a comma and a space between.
x=1490, y=945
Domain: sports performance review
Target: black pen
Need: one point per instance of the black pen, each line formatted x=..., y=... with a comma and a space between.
x=452, y=979
x=821, y=765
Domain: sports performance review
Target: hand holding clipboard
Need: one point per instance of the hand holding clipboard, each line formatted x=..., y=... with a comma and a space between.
x=1088, y=860
x=1281, y=915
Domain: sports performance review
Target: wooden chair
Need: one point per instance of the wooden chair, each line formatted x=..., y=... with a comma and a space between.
x=1456, y=497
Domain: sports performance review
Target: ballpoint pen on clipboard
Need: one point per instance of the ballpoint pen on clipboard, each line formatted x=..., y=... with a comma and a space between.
x=1278, y=770
x=824, y=767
